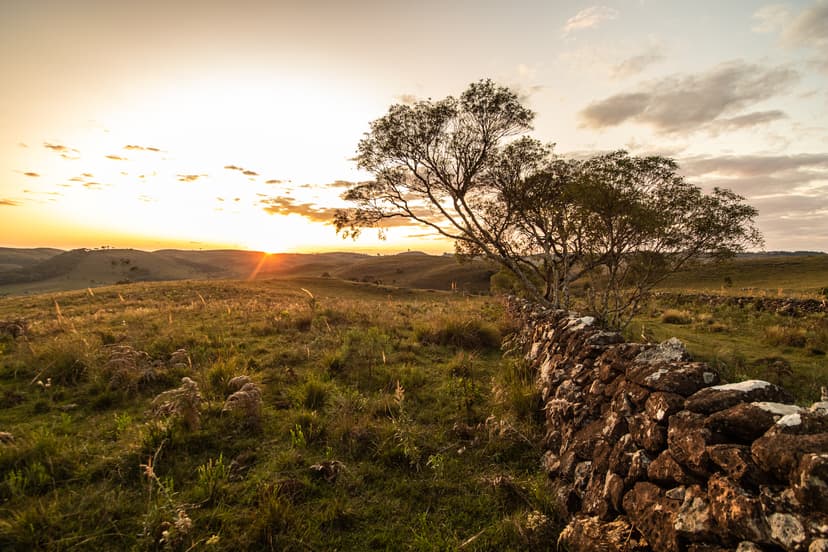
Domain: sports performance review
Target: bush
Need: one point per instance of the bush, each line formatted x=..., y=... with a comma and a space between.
x=785, y=336
x=471, y=335
x=674, y=316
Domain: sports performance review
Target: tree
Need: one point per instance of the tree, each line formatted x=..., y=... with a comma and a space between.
x=619, y=223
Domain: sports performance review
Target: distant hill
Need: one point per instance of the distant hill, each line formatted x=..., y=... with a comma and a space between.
x=12, y=259
x=42, y=270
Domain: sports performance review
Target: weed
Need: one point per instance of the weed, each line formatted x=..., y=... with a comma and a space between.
x=181, y=403
x=210, y=478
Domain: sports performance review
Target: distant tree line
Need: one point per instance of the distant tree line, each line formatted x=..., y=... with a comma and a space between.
x=614, y=223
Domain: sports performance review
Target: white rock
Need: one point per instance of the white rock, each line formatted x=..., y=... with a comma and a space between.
x=778, y=409
x=790, y=420
x=743, y=386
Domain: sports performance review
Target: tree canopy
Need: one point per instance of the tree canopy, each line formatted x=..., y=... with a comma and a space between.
x=617, y=224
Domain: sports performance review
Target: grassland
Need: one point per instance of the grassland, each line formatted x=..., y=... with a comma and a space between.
x=377, y=418
x=374, y=416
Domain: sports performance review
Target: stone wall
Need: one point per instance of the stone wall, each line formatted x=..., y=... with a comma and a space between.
x=779, y=305
x=649, y=451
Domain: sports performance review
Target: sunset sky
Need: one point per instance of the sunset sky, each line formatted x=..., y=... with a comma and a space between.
x=207, y=124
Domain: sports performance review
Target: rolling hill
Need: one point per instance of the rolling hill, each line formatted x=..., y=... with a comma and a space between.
x=44, y=270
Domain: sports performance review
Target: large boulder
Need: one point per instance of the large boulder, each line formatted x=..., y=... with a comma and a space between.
x=719, y=397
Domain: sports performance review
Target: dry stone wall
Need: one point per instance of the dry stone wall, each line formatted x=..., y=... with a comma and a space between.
x=650, y=451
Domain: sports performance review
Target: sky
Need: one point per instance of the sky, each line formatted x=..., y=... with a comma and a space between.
x=206, y=124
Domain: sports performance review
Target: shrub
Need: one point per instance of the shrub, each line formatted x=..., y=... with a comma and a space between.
x=469, y=334
x=674, y=316
x=181, y=403
x=65, y=363
x=314, y=394
x=785, y=336
x=246, y=402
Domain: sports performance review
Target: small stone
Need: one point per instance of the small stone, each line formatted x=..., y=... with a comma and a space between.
x=660, y=405
x=786, y=530
x=694, y=520
x=818, y=545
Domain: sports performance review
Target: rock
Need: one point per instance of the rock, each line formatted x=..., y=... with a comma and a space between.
x=737, y=513
x=779, y=452
x=719, y=397
x=614, y=490
x=584, y=441
x=683, y=378
x=590, y=534
x=594, y=501
x=619, y=461
x=736, y=461
x=615, y=425
x=604, y=338
x=639, y=463
x=647, y=433
x=694, y=521
x=665, y=470
x=660, y=405
x=583, y=471
x=672, y=350
x=744, y=422
x=810, y=481
x=688, y=439
x=818, y=545
x=629, y=398
x=747, y=546
x=653, y=514
x=786, y=530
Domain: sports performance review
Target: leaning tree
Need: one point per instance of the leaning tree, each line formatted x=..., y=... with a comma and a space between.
x=465, y=168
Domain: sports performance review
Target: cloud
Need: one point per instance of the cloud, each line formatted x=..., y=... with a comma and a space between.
x=755, y=118
x=250, y=173
x=246, y=172
x=807, y=29
x=116, y=158
x=31, y=174
x=790, y=192
x=9, y=203
x=286, y=205
x=589, y=18
x=771, y=18
x=274, y=181
x=686, y=103
x=810, y=27
x=189, y=177
x=94, y=185
x=141, y=148
x=87, y=175
x=635, y=64
x=64, y=151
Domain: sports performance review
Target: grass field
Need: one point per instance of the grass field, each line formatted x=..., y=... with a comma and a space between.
x=316, y=413
x=373, y=418
x=787, y=275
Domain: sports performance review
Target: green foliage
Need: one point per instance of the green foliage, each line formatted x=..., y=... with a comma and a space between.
x=621, y=223
x=210, y=479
